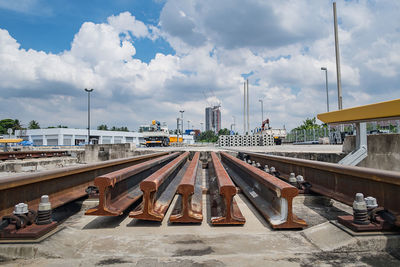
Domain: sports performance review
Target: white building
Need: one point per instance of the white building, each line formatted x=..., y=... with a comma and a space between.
x=68, y=137
x=71, y=137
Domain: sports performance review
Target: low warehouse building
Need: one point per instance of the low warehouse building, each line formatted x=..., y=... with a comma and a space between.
x=71, y=137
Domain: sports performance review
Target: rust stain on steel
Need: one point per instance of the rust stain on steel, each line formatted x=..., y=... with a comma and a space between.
x=113, y=200
x=189, y=208
x=62, y=185
x=271, y=196
x=231, y=212
x=149, y=209
x=341, y=182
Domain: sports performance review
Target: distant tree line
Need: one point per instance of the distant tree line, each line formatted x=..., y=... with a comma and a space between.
x=104, y=127
x=16, y=124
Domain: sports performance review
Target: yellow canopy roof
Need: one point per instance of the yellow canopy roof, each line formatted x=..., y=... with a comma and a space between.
x=378, y=111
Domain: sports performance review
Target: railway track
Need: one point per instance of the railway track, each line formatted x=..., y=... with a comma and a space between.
x=152, y=181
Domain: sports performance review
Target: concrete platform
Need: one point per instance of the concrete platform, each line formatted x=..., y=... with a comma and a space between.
x=123, y=241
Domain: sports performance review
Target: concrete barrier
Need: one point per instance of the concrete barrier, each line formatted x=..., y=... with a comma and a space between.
x=383, y=151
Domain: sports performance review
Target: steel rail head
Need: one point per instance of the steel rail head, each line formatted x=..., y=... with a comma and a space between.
x=106, y=183
x=186, y=213
x=227, y=189
x=342, y=182
x=62, y=185
x=26, y=179
x=279, y=214
x=385, y=176
x=150, y=185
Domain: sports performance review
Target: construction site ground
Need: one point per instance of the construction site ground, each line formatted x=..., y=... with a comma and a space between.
x=123, y=241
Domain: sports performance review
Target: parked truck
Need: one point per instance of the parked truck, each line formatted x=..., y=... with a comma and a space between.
x=278, y=134
x=155, y=134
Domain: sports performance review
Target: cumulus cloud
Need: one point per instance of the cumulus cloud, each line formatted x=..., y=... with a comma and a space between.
x=281, y=45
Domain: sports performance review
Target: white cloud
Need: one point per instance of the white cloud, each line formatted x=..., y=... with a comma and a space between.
x=283, y=44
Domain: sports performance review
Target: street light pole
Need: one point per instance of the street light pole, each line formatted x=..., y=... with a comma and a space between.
x=181, y=111
x=89, y=91
x=326, y=81
x=262, y=110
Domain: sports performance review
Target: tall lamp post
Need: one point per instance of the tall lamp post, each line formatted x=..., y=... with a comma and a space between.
x=262, y=110
x=326, y=81
x=89, y=91
x=181, y=111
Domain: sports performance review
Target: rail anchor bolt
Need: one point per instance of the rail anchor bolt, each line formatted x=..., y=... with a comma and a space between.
x=44, y=211
x=292, y=179
x=360, y=212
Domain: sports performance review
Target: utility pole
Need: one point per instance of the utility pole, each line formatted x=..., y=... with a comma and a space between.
x=326, y=86
x=234, y=123
x=338, y=74
x=89, y=91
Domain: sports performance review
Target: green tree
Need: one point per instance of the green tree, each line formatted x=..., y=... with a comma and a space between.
x=208, y=136
x=309, y=124
x=9, y=123
x=17, y=125
x=122, y=129
x=33, y=125
x=102, y=127
x=224, y=131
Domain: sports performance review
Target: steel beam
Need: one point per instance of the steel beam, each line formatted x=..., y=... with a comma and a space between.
x=341, y=182
x=271, y=196
x=159, y=190
x=188, y=208
x=120, y=189
x=61, y=185
x=224, y=209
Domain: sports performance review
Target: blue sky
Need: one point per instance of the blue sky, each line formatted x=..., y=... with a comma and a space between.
x=149, y=59
x=50, y=26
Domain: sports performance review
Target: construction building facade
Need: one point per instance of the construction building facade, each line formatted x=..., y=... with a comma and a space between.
x=213, y=119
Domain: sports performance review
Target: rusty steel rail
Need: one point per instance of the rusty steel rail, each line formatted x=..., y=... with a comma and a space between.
x=159, y=190
x=341, y=182
x=32, y=154
x=272, y=197
x=188, y=207
x=224, y=209
x=61, y=185
x=120, y=189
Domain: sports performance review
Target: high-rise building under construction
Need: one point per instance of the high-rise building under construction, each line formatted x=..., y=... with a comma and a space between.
x=213, y=119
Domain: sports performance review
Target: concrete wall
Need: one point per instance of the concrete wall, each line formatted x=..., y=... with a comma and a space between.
x=95, y=153
x=34, y=165
x=383, y=151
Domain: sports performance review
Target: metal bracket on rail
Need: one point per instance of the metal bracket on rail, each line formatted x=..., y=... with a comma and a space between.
x=361, y=151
